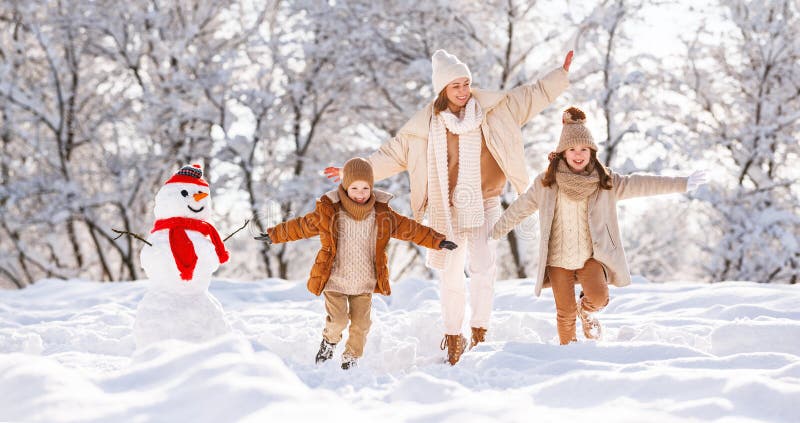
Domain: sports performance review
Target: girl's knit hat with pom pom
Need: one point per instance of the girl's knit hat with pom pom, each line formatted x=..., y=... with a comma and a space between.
x=574, y=133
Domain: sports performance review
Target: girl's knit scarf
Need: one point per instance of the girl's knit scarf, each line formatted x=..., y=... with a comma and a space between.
x=182, y=247
x=577, y=186
x=467, y=195
x=355, y=210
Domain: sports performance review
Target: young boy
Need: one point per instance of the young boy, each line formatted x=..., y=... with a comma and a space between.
x=354, y=224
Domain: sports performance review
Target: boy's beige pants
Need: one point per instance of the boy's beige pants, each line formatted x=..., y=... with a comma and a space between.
x=342, y=308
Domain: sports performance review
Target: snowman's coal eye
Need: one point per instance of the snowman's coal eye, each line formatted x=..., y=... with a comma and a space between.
x=184, y=193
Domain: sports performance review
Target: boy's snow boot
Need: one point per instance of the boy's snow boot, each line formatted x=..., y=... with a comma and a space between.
x=591, y=326
x=325, y=351
x=478, y=336
x=455, y=345
x=349, y=362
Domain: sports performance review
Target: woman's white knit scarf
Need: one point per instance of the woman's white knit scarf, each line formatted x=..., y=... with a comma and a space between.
x=467, y=196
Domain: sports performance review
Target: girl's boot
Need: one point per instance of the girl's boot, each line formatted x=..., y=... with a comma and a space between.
x=591, y=326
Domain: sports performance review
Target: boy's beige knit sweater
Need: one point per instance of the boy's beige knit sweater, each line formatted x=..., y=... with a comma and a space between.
x=353, y=270
x=570, y=240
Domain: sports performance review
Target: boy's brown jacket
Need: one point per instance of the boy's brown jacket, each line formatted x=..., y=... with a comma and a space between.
x=323, y=222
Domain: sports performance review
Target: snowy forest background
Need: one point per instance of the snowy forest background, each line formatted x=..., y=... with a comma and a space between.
x=100, y=103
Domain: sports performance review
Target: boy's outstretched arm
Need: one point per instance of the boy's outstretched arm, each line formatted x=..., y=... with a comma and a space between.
x=299, y=228
x=409, y=230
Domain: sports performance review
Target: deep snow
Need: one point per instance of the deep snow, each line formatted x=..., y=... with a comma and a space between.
x=673, y=352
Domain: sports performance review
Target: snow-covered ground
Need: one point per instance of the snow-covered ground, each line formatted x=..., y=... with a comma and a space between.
x=674, y=352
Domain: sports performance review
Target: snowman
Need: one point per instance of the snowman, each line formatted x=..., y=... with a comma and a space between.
x=186, y=249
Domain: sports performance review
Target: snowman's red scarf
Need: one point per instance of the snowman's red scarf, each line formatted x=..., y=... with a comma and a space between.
x=182, y=247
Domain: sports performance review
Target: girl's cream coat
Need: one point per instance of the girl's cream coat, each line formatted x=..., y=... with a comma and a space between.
x=505, y=112
x=603, y=225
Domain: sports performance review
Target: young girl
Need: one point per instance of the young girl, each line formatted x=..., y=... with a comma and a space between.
x=354, y=224
x=579, y=233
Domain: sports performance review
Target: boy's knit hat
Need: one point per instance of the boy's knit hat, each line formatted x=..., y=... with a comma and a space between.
x=574, y=133
x=446, y=68
x=357, y=169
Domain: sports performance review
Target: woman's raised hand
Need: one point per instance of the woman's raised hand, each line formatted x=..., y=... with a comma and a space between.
x=332, y=172
x=568, y=60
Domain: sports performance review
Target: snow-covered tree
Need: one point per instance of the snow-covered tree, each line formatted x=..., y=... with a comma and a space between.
x=100, y=103
x=615, y=82
x=626, y=84
x=744, y=78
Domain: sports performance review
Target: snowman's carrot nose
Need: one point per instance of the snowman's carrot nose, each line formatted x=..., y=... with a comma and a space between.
x=199, y=196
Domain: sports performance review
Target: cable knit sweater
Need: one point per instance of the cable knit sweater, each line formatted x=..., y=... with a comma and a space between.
x=353, y=270
x=570, y=241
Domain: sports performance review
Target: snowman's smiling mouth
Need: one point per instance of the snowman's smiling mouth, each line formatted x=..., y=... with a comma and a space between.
x=196, y=210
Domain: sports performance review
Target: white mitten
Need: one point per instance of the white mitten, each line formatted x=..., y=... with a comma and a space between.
x=696, y=179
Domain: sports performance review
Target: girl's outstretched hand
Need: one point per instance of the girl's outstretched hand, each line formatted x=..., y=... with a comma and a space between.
x=696, y=179
x=449, y=245
x=263, y=237
x=568, y=60
x=333, y=172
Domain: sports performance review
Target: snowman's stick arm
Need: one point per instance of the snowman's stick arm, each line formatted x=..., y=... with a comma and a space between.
x=234, y=232
x=137, y=236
